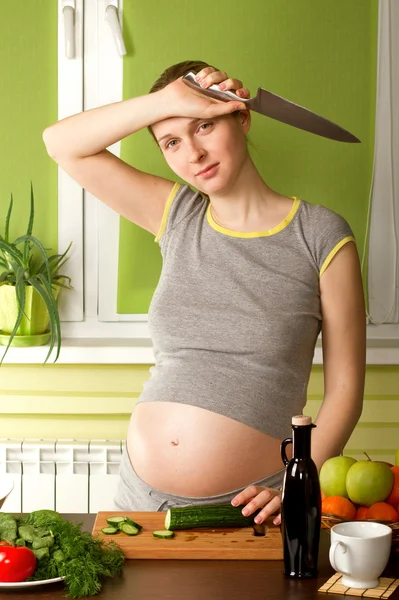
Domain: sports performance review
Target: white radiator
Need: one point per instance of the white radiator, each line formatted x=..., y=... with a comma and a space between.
x=69, y=476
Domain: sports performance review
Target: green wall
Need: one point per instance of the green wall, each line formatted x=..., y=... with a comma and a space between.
x=28, y=104
x=319, y=54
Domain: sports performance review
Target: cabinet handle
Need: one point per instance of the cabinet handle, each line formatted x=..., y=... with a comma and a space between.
x=111, y=16
x=68, y=12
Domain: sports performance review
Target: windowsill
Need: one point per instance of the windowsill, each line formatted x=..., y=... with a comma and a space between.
x=87, y=351
x=382, y=349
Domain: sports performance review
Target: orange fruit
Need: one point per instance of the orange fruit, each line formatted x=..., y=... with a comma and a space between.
x=393, y=497
x=323, y=495
x=339, y=506
x=361, y=513
x=382, y=511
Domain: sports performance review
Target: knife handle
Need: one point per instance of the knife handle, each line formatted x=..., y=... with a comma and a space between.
x=213, y=91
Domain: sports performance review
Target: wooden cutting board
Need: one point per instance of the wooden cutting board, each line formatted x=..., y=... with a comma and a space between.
x=200, y=543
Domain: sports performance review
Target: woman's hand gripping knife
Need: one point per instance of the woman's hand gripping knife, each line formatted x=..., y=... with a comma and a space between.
x=259, y=497
x=188, y=102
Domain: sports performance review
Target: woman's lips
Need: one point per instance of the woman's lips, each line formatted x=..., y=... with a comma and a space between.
x=209, y=171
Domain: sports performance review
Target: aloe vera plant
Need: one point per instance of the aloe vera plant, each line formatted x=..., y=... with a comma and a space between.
x=24, y=262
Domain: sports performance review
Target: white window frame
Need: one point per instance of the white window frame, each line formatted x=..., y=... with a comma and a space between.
x=93, y=78
x=70, y=193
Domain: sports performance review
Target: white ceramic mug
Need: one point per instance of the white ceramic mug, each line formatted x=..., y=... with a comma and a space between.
x=360, y=552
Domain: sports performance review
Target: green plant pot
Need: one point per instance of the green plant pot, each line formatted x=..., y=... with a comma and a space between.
x=36, y=321
x=24, y=341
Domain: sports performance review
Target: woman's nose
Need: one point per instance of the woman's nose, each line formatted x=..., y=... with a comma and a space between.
x=196, y=153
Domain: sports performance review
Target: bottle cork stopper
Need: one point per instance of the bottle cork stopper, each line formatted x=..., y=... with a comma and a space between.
x=301, y=420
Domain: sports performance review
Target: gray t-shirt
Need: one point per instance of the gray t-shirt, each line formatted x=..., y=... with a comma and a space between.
x=235, y=316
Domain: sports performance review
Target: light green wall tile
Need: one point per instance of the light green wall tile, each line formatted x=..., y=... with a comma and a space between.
x=386, y=438
x=374, y=412
x=99, y=427
x=83, y=401
x=65, y=404
x=73, y=378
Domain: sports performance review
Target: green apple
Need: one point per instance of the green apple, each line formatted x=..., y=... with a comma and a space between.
x=333, y=475
x=384, y=462
x=369, y=481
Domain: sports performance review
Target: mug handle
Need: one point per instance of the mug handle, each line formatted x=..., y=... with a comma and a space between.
x=333, y=549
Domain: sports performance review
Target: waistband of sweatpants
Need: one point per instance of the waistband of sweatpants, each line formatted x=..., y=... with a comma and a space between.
x=127, y=471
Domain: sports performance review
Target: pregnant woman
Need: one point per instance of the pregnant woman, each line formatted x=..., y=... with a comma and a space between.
x=249, y=279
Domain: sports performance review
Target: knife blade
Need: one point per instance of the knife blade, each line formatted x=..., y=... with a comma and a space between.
x=279, y=108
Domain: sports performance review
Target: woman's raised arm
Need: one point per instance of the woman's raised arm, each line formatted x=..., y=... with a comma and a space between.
x=78, y=144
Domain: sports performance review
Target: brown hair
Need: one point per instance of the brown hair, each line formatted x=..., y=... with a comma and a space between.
x=174, y=72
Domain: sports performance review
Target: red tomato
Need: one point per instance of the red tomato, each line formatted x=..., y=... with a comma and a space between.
x=16, y=563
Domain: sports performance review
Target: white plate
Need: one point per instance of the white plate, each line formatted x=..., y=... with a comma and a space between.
x=22, y=584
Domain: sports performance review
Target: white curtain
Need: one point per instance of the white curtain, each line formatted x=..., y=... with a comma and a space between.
x=383, y=275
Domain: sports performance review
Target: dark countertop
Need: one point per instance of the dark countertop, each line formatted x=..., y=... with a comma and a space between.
x=203, y=580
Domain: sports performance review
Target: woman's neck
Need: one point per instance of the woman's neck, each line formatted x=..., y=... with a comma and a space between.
x=250, y=204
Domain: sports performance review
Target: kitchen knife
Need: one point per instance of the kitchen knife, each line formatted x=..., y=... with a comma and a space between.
x=278, y=108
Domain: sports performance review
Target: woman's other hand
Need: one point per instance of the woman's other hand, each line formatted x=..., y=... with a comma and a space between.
x=185, y=101
x=259, y=497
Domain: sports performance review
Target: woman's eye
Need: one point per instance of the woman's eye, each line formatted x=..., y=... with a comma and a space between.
x=171, y=143
x=206, y=126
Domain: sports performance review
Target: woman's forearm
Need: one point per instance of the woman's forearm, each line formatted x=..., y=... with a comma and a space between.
x=335, y=423
x=89, y=132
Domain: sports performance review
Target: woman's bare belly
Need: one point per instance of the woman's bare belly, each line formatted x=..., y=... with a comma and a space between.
x=190, y=451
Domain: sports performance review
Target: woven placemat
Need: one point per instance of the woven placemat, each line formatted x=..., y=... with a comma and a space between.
x=385, y=588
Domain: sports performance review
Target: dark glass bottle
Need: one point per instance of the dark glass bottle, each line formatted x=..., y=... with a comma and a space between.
x=300, y=503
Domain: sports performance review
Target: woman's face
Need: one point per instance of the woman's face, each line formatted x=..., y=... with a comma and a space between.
x=206, y=153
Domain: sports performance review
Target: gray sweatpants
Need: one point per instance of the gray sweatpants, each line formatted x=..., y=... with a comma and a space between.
x=134, y=494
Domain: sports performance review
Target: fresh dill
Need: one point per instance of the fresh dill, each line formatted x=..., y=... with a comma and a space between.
x=63, y=550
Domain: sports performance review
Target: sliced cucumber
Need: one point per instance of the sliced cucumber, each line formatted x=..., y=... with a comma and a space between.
x=163, y=534
x=133, y=523
x=110, y=530
x=129, y=529
x=115, y=520
x=118, y=521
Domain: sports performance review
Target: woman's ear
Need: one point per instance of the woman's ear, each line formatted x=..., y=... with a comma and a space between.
x=245, y=120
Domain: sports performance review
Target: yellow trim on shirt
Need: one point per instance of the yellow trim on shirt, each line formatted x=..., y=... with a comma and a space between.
x=254, y=234
x=166, y=211
x=334, y=251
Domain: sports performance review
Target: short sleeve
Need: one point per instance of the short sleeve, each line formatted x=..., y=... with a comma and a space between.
x=182, y=202
x=331, y=233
